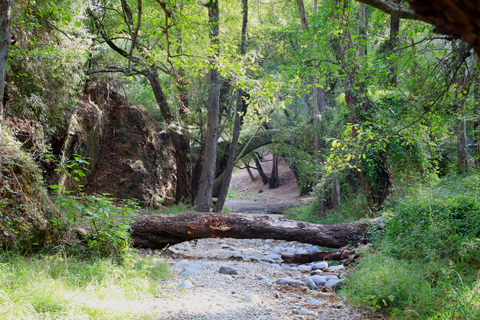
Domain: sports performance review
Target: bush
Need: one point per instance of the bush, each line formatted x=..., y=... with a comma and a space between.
x=425, y=265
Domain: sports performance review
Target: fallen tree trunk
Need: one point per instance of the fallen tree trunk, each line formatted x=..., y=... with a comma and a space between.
x=341, y=254
x=157, y=231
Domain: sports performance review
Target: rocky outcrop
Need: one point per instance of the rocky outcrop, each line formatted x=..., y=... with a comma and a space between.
x=133, y=159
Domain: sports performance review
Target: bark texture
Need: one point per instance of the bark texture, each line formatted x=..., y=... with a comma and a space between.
x=157, y=231
x=5, y=35
x=205, y=187
x=238, y=116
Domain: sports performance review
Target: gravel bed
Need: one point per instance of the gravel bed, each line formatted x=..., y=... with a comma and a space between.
x=258, y=290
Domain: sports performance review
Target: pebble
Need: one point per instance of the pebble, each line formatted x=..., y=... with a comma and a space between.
x=318, y=280
x=311, y=284
x=320, y=265
x=181, y=264
x=290, y=281
x=334, y=284
x=228, y=270
x=304, y=268
x=304, y=311
x=332, y=277
x=316, y=272
x=186, y=284
x=314, y=302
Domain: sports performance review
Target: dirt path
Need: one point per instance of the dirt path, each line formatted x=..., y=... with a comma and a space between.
x=255, y=197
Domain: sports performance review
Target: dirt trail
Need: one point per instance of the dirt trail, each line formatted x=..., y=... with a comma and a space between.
x=255, y=197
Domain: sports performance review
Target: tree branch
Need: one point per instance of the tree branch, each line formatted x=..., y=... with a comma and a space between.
x=396, y=10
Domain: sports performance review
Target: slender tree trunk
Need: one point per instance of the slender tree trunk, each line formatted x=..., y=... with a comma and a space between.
x=205, y=188
x=5, y=36
x=179, y=141
x=250, y=174
x=318, y=98
x=394, y=29
x=462, y=145
x=262, y=174
x=361, y=31
x=274, y=180
x=237, y=121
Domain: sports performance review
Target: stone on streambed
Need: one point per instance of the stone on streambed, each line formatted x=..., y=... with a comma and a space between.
x=187, y=284
x=290, y=281
x=304, y=268
x=320, y=265
x=334, y=284
x=311, y=284
x=228, y=270
x=319, y=280
x=314, y=302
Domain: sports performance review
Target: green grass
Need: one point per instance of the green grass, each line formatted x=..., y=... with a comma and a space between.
x=175, y=209
x=56, y=286
x=425, y=265
x=309, y=213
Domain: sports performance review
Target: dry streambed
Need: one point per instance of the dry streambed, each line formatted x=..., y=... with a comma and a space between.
x=246, y=279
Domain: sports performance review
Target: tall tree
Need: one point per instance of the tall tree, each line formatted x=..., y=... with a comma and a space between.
x=318, y=98
x=239, y=106
x=207, y=176
x=5, y=36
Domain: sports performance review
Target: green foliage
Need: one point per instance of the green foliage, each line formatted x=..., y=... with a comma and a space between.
x=59, y=286
x=309, y=213
x=441, y=222
x=107, y=221
x=424, y=264
x=402, y=288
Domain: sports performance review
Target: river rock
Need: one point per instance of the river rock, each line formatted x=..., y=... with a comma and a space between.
x=318, y=280
x=187, y=284
x=228, y=270
x=290, y=281
x=320, y=265
x=334, y=284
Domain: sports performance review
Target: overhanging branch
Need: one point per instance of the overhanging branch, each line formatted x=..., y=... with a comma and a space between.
x=393, y=9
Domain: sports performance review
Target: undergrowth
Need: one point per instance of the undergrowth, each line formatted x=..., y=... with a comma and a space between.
x=59, y=286
x=426, y=263
x=348, y=212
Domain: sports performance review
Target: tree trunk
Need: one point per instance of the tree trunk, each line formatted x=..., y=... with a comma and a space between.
x=237, y=122
x=462, y=153
x=250, y=174
x=317, y=94
x=180, y=142
x=274, y=180
x=362, y=32
x=157, y=231
x=262, y=174
x=205, y=188
x=394, y=29
x=338, y=255
x=5, y=36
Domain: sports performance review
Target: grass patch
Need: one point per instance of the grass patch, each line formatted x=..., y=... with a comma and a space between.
x=175, y=209
x=309, y=213
x=425, y=265
x=60, y=287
